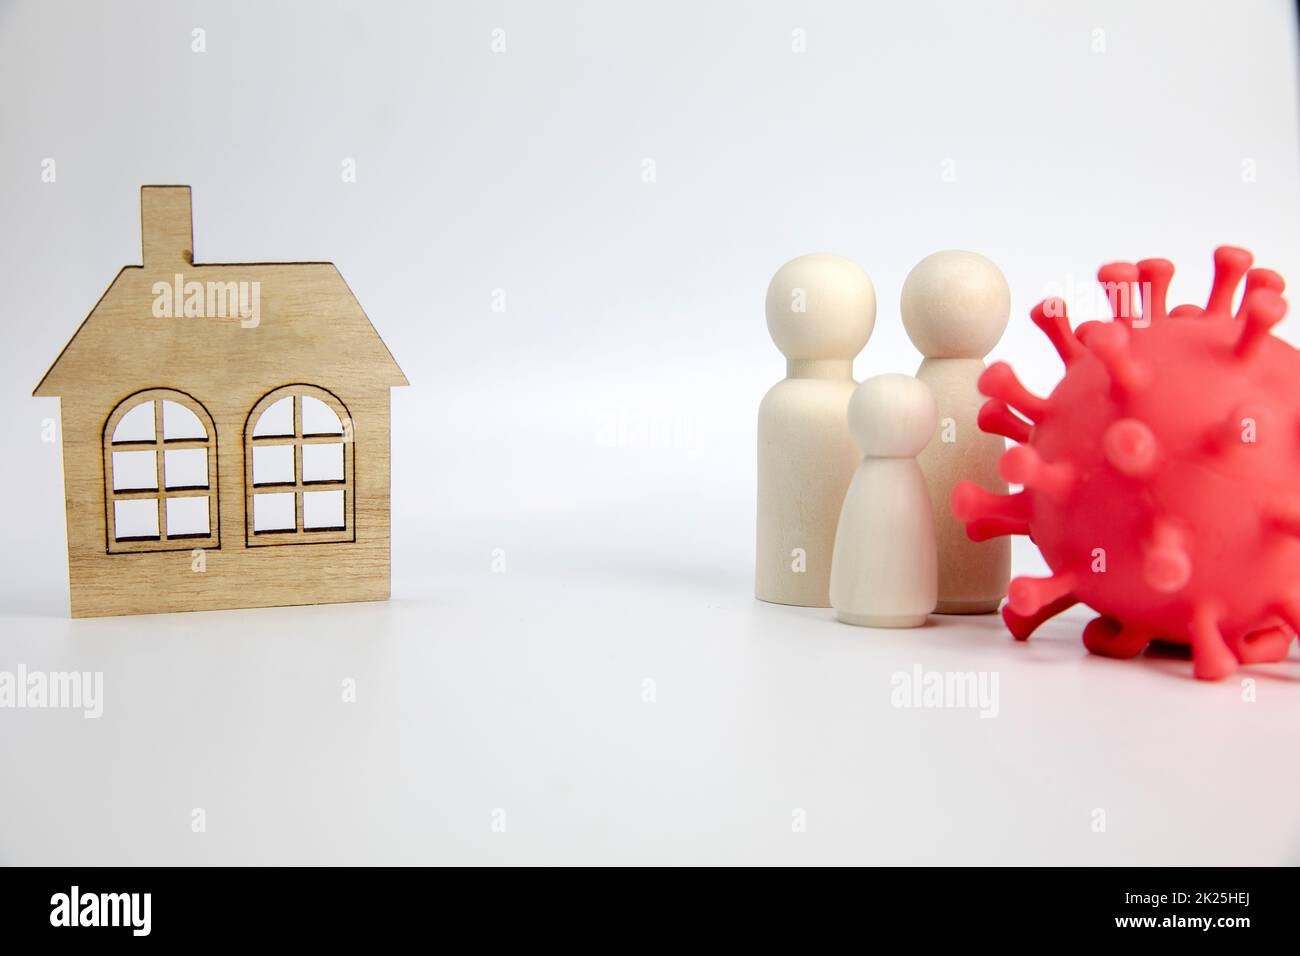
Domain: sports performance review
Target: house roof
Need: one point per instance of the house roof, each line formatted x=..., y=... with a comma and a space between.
x=171, y=314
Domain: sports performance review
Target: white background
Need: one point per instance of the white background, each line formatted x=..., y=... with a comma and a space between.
x=600, y=430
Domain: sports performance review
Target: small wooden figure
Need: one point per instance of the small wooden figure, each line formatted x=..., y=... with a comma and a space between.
x=225, y=434
x=885, y=572
x=820, y=312
x=955, y=307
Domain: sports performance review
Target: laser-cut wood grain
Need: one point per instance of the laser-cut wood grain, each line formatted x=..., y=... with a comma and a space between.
x=312, y=331
x=298, y=487
x=160, y=492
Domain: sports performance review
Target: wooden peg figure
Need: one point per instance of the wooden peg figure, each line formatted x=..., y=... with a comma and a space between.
x=820, y=312
x=955, y=307
x=885, y=572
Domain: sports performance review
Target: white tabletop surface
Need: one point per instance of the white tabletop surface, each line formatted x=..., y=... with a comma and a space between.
x=591, y=706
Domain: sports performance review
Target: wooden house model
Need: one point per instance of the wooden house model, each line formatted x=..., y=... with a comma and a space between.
x=225, y=434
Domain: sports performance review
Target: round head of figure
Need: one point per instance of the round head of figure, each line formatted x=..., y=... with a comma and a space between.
x=955, y=304
x=892, y=416
x=820, y=307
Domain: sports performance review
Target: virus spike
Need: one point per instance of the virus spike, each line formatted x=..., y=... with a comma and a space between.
x=1022, y=625
x=1182, y=440
x=983, y=529
x=1024, y=466
x=970, y=502
x=1260, y=279
x=999, y=381
x=1110, y=343
x=1211, y=658
x=1085, y=329
x=1119, y=282
x=1131, y=447
x=1154, y=275
x=1284, y=516
x=997, y=418
x=1110, y=638
x=1268, y=645
x=1263, y=310
x=1289, y=610
x=1050, y=316
x=1167, y=567
x=1026, y=596
x=1230, y=264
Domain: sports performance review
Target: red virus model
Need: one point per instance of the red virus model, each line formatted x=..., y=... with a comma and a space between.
x=1162, y=475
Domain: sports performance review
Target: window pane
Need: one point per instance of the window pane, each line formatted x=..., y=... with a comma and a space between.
x=322, y=509
x=272, y=464
x=185, y=468
x=181, y=423
x=274, y=512
x=135, y=518
x=134, y=470
x=136, y=425
x=318, y=418
x=276, y=420
x=187, y=516
x=322, y=462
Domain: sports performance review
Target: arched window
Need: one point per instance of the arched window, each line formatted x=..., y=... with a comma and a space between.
x=160, y=474
x=298, y=468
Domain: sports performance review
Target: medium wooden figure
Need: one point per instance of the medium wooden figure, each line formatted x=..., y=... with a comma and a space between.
x=955, y=307
x=820, y=312
x=225, y=434
x=885, y=572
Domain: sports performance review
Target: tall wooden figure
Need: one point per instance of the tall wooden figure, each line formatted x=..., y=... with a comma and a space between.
x=955, y=308
x=885, y=571
x=820, y=312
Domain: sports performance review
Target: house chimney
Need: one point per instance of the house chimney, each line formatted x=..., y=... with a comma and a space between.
x=166, y=231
